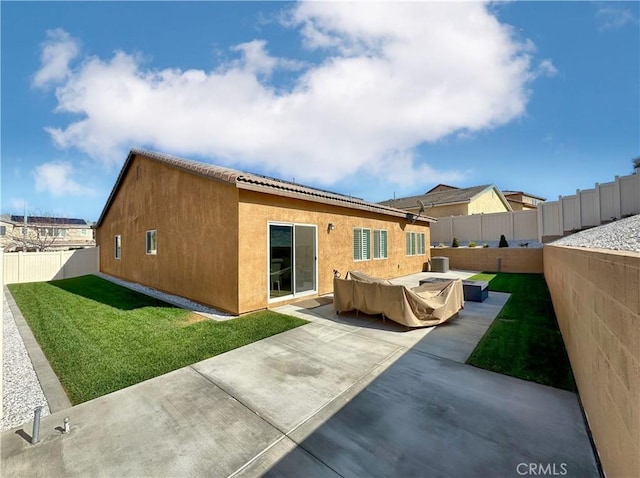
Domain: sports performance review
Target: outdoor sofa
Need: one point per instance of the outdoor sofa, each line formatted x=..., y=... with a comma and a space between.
x=423, y=306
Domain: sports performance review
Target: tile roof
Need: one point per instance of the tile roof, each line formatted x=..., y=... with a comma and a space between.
x=438, y=198
x=255, y=182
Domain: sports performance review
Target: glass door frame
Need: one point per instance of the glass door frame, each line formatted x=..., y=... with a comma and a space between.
x=293, y=294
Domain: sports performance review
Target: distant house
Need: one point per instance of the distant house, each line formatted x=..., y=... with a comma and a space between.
x=521, y=201
x=44, y=233
x=444, y=201
x=240, y=241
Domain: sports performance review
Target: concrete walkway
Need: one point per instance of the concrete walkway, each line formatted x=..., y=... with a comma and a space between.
x=341, y=396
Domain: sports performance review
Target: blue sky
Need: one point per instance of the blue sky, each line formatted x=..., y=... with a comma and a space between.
x=369, y=99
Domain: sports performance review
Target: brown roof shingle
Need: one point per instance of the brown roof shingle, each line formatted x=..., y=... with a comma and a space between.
x=438, y=198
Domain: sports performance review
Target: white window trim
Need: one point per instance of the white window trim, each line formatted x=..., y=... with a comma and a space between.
x=362, y=258
x=386, y=245
x=416, y=243
x=150, y=252
x=117, y=238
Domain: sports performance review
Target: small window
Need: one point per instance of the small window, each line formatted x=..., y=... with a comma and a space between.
x=118, y=246
x=152, y=242
x=3, y=230
x=83, y=232
x=379, y=244
x=415, y=243
x=361, y=244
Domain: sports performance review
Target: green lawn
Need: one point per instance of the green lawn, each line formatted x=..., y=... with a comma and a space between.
x=524, y=341
x=100, y=337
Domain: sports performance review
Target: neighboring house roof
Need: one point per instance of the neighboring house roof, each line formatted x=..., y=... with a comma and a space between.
x=512, y=193
x=441, y=187
x=442, y=197
x=253, y=182
x=46, y=220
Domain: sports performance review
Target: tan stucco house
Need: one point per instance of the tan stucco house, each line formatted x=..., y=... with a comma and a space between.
x=240, y=241
x=521, y=201
x=44, y=233
x=445, y=201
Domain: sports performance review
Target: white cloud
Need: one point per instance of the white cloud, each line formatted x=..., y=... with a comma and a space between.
x=546, y=68
x=56, y=179
x=394, y=75
x=611, y=17
x=57, y=51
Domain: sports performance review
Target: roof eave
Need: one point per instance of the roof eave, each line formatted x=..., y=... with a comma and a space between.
x=115, y=188
x=327, y=200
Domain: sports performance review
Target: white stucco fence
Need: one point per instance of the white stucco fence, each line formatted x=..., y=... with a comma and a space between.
x=19, y=267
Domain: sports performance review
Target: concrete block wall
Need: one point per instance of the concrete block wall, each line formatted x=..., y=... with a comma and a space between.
x=596, y=297
x=489, y=259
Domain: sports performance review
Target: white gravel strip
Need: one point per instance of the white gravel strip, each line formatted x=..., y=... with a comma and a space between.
x=176, y=300
x=21, y=391
x=621, y=235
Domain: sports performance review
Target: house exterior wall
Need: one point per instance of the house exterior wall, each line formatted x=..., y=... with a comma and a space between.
x=196, y=219
x=522, y=202
x=74, y=235
x=596, y=297
x=5, y=239
x=335, y=248
x=448, y=210
x=516, y=205
x=486, y=203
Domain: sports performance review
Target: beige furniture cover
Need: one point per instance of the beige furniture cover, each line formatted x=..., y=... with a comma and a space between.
x=423, y=306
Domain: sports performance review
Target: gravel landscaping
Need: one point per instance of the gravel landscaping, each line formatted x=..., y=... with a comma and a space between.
x=21, y=391
x=170, y=298
x=621, y=235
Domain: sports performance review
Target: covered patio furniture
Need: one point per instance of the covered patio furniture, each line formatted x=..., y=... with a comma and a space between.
x=423, y=306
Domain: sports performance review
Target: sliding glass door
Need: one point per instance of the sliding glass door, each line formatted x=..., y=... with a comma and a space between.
x=292, y=260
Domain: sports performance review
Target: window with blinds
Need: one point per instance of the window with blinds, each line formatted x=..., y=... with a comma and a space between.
x=379, y=244
x=415, y=243
x=117, y=244
x=361, y=244
x=152, y=242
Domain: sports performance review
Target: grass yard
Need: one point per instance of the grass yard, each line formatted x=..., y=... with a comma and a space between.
x=100, y=337
x=524, y=341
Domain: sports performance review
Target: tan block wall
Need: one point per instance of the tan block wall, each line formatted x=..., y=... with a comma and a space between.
x=486, y=203
x=197, y=223
x=596, y=299
x=335, y=248
x=486, y=258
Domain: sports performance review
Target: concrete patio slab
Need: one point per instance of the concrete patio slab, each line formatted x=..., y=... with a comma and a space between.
x=296, y=459
x=372, y=326
x=456, y=420
x=291, y=376
x=457, y=338
x=179, y=424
